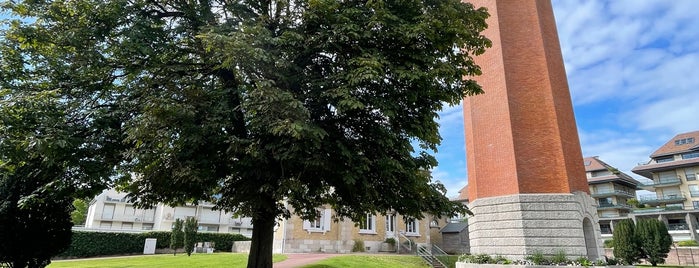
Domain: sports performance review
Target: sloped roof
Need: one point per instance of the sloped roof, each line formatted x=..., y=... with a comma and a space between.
x=595, y=164
x=671, y=148
x=454, y=227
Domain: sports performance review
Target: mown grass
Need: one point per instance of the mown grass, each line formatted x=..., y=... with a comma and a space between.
x=163, y=261
x=369, y=261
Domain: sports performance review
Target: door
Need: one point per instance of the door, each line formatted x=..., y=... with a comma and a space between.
x=390, y=225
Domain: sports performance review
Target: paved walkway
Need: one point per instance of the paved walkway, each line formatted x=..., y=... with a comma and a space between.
x=301, y=259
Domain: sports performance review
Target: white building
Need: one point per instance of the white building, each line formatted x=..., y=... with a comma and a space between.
x=111, y=211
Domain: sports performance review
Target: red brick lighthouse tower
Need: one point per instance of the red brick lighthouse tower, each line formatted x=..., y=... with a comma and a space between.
x=527, y=184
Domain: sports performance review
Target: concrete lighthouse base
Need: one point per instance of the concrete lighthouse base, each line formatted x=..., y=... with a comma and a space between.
x=516, y=226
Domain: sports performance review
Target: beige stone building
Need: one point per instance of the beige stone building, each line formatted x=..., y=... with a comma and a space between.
x=325, y=234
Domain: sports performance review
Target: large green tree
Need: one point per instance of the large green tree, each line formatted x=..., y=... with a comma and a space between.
x=258, y=105
x=654, y=240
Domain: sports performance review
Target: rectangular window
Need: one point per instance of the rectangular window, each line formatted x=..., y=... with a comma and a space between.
x=320, y=224
x=147, y=226
x=664, y=159
x=690, y=155
x=668, y=176
x=127, y=225
x=689, y=174
x=694, y=190
x=412, y=227
x=368, y=225
x=695, y=204
x=106, y=225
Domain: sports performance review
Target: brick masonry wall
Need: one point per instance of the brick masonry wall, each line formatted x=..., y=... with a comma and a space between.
x=521, y=134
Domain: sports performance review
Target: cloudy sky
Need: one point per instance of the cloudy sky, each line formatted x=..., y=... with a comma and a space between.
x=633, y=72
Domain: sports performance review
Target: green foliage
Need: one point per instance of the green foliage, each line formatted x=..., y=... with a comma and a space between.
x=91, y=244
x=249, y=104
x=584, y=261
x=79, y=215
x=634, y=202
x=687, y=243
x=609, y=243
x=537, y=258
x=358, y=246
x=391, y=241
x=217, y=260
x=655, y=241
x=626, y=244
x=177, y=236
x=191, y=226
x=560, y=258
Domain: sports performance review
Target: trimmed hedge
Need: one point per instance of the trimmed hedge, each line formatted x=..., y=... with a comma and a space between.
x=90, y=244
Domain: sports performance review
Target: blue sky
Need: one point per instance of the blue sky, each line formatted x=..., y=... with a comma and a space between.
x=633, y=73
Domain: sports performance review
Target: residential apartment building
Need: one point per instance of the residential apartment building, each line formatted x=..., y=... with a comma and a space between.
x=611, y=190
x=673, y=169
x=112, y=211
x=325, y=234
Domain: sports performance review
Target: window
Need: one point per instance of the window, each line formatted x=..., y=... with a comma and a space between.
x=689, y=174
x=605, y=228
x=368, y=225
x=684, y=141
x=147, y=226
x=320, y=224
x=665, y=159
x=127, y=225
x=412, y=227
x=600, y=173
x=605, y=202
x=690, y=155
x=668, y=176
x=694, y=190
x=695, y=204
x=106, y=225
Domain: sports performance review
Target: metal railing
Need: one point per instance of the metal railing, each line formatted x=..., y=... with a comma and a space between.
x=662, y=199
x=664, y=182
x=614, y=192
x=427, y=254
x=408, y=243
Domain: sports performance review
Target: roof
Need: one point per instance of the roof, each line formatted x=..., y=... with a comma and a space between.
x=671, y=147
x=595, y=164
x=463, y=193
x=454, y=227
x=646, y=170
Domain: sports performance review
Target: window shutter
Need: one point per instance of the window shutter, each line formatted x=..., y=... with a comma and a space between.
x=326, y=219
x=306, y=225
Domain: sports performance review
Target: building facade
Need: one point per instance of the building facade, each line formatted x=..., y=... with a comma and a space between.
x=673, y=170
x=611, y=189
x=325, y=234
x=112, y=211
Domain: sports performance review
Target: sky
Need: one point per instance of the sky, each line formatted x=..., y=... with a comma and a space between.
x=633, y=73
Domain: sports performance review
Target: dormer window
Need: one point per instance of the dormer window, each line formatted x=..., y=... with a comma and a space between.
x=664, y=159
x=684, y=141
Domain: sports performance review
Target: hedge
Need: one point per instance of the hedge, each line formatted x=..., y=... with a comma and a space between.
x=90, y=244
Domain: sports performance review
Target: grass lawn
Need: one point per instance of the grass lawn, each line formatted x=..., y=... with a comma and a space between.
x=378, y=261
x=163, y=261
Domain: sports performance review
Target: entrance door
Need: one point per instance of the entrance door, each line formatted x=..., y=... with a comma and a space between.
x=390, y=225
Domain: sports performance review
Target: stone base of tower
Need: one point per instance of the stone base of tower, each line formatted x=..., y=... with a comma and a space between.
x=517, y=226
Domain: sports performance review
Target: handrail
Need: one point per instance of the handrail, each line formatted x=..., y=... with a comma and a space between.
x=427, y=254
x=410, y=243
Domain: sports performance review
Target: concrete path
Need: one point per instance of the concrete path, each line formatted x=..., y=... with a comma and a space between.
x=301, y=259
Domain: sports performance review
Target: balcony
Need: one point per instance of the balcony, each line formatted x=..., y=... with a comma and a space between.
x=677, y=227
x=613, y=206
x=655, y=210
x=116, y=199
x=613, y=193
x=654, y=200
x=663, y=183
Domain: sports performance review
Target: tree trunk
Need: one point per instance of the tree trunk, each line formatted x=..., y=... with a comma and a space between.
x=262, y=239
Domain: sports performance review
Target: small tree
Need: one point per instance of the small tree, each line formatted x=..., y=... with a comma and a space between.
x=177, y=236
x=626, y=245
x=190, y=235
x=654, y=240
x=79, y=215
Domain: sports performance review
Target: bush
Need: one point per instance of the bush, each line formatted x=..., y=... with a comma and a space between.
x=687, y=243
x=626, y=245
x=655, y=241
x=90, y=244
x=609, y=243
x=560, y=258
x=177, y=236
x=191, y=226
x=391, y=241
x=538, y=258
x=358, y=246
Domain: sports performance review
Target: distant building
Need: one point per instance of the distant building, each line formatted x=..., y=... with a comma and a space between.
x=673, y=169
x=112, y=211
x=325, y=234
x=611, y=190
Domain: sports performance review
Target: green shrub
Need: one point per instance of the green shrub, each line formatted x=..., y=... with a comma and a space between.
x=584, y=261
x=687, y=243
x=559, y=258
x=654, y=239
x=626, y=244
x=538, y=258
x=358, y=246
x=177, y=236
x=90, y=244
x=609, y=243
x=191, y=225
x=391, y=241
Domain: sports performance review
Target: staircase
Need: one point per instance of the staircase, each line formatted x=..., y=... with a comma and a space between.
x=429, y=254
